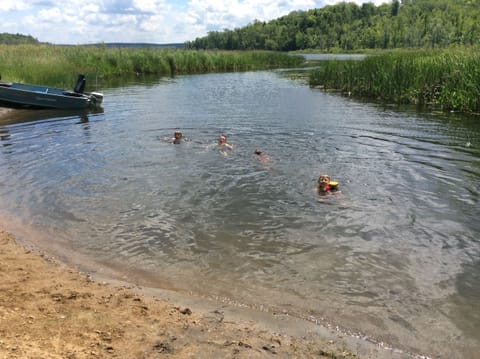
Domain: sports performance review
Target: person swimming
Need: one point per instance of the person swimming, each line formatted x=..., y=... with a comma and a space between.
x=177, y=137
x=224, y=145
x=262, y=156
x=222, y=141
x=326, y=185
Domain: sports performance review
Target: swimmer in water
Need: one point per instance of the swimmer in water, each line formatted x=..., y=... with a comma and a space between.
x=326, y=185
x=224, y=145
x=177, y=137
x=262, y=156
x=222, y=142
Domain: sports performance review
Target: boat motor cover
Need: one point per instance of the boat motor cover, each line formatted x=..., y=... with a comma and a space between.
x=80, y=85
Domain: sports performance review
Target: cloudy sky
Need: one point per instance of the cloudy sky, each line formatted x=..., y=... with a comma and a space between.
x=151, y=21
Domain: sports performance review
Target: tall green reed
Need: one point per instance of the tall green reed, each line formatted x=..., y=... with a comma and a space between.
x=59, y=65
x=448, y=78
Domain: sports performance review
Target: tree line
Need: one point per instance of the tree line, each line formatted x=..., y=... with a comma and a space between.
x=349, y=27
x=17, y=39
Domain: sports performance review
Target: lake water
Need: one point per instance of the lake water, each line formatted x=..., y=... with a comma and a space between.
x=395, y=256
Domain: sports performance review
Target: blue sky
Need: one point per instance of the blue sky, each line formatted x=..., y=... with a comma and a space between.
x=152, y=21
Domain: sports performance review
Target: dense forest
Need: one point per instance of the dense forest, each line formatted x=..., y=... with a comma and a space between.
x=349, y=27
x=17, y=39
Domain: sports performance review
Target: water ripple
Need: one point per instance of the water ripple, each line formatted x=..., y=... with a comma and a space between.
x=393, y=255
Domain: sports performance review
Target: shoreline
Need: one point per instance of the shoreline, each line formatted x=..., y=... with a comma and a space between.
x=50, y=310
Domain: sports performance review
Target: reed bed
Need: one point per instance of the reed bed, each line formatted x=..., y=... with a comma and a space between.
x=447, y=78
x=59, y=65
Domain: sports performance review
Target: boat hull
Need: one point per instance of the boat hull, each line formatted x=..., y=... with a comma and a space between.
x=24, y=95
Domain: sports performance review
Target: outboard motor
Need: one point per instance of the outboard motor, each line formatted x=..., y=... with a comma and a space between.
x=80, y=85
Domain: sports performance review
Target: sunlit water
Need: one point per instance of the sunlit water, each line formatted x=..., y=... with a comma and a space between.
x=395, y=256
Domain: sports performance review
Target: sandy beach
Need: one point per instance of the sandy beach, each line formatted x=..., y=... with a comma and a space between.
x=50, y=311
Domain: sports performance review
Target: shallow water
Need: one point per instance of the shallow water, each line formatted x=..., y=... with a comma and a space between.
x=395, y=256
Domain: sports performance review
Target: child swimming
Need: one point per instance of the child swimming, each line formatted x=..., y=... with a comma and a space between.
x=326, y=185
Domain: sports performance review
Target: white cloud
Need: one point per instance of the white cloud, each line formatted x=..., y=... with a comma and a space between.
x=155, y=21
x=12, y=5
x=148, y=6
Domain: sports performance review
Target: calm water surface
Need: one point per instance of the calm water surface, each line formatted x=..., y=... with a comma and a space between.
x=395, y=256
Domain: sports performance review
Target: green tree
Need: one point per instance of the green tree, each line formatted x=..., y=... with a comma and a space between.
x=17, y=39
x=405, y=23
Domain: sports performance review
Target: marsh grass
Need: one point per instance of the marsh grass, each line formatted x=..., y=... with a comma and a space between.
x=448, y=78
x=59, y=65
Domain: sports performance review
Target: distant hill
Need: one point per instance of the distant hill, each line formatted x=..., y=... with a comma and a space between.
x=17, y=39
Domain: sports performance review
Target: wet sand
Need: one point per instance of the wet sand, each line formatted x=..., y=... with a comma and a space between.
x=48, y=310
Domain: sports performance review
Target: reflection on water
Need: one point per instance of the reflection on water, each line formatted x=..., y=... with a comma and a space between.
x=395, y=257
x=20, y=116
x=13, y=116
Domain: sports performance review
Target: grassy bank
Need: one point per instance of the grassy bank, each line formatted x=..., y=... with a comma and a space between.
x=59, y=65
x=448, y=78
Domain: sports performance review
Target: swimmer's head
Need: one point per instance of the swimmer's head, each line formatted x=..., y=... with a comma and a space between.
x=324, y=179
x=178, y=135
x=258, y=152
x=222, y=139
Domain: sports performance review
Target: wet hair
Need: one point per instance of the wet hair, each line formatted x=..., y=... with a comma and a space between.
x=258, y=152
